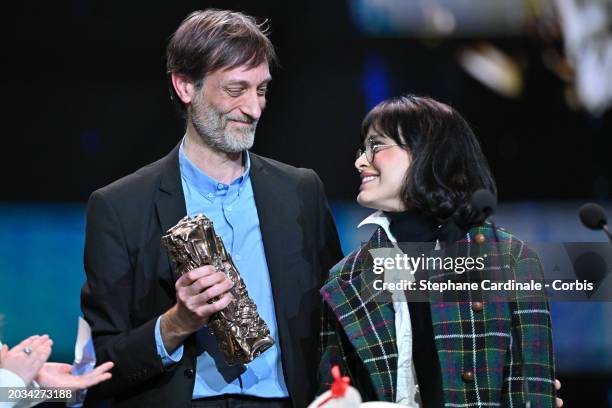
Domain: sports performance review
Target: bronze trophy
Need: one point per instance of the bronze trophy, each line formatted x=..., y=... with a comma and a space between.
x=241, y=333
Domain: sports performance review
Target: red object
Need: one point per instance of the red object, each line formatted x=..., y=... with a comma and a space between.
x=339, y=387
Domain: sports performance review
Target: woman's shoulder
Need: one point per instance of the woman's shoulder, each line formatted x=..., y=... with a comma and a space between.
x=348, y=263
x=491, y=232
x=499, y=239
x=354, y=263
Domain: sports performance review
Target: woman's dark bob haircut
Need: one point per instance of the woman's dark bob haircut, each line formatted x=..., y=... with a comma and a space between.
x=447, y=165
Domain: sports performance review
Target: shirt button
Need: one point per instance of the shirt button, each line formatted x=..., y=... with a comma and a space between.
x=229, y=208
x=477, y=306
x=210, y=195
x=237, y=257
x=220, y=186
x=189, y=373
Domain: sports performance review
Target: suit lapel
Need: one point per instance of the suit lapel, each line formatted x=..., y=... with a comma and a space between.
x=270, y=212
x=273, y=214
x=170, y=202
x=367, y=316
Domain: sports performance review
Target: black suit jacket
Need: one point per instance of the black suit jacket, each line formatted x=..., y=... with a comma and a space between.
x=130, y=280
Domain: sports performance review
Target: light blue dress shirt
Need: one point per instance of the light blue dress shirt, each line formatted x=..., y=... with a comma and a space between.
x=232, y=209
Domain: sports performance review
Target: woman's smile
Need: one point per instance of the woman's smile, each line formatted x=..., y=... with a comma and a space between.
x=366, y=177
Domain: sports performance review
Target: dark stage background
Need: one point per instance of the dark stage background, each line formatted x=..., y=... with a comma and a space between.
x=86, y=102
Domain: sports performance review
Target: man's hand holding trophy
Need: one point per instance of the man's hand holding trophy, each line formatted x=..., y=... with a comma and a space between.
x=210, y=292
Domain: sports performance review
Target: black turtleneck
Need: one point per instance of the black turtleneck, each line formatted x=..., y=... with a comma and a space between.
x=414, y=226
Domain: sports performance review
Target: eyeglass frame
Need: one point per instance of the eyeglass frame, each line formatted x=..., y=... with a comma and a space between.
x=373, y=149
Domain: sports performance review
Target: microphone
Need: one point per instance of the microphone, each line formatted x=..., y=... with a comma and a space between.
x=484, y=202
x=593, y=217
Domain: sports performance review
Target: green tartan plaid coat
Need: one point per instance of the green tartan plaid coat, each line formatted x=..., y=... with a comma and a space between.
x=504, y=347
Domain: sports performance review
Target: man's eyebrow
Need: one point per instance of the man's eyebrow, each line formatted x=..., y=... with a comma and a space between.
x=265, y=81
x=246, y=84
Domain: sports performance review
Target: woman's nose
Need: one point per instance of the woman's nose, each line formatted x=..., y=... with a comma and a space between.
x=361, y=162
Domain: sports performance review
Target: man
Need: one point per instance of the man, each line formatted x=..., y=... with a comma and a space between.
x=273, y=218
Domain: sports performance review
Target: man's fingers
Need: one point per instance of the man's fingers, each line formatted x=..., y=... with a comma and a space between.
x=102, y=368
x=558, y=387
x=205, y=282
x=227, y=298
x=102, y=377
x=188, y=278
x=90, y=382
x=212, y=292
x=99, y=374
x=211, y=308
x=61, y=367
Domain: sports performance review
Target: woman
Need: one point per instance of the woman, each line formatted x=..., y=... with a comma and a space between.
x=419, y=166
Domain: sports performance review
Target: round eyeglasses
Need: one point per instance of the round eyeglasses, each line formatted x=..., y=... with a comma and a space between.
x=371, y=148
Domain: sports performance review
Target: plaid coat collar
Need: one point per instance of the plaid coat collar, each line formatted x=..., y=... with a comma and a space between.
x=368, y=322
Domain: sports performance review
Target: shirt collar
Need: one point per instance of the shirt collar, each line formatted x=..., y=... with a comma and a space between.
x=379, y=218
x=202, y=181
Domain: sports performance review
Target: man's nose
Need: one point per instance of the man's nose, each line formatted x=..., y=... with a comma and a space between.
x=253, y=105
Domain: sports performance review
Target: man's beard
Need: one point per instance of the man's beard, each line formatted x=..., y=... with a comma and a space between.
x=211, y=125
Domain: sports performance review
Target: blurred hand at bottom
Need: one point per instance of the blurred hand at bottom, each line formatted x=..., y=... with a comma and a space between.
x=26, y=358
x=60, y=375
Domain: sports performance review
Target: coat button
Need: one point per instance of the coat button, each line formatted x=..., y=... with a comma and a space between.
x=477, y=306
x=189, y=373
x=468, y=376
x=480, y=238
